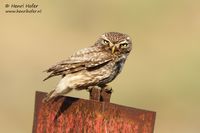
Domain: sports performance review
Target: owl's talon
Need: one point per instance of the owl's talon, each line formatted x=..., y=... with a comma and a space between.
x=93, y=87
x=108, y=90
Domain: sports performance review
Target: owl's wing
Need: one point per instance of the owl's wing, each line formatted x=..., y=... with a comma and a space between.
x=88, y=58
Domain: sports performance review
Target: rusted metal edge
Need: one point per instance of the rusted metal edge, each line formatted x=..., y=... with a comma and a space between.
x=39, y=106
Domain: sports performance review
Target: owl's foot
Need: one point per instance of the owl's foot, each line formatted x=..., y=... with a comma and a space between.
x=108, y=89
x=94, y=92
x=89, y=89
x=100, y=93
x=106, y=92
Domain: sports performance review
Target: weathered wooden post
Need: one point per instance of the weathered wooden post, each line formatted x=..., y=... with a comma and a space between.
x=97, y=115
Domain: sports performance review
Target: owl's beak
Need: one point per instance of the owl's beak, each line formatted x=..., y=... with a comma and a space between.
x=113, y=49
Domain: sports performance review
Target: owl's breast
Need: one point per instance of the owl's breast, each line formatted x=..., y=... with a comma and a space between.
x=117, y=68
x=113, y=69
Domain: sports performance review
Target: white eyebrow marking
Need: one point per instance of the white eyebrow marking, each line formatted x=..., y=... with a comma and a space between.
x=110, y=43
x=124, y=41
x=128, y=38
x=104, y=37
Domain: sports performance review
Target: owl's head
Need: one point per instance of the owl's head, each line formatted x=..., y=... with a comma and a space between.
x=115, y=42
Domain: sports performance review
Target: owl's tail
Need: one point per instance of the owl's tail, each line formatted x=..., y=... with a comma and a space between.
x=54, y=93
x=50, y=96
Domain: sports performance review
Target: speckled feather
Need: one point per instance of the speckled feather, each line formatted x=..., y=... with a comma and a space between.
x=93, y=66
x=83, y=59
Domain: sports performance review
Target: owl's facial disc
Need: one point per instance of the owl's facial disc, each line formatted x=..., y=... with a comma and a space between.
x=116, y=42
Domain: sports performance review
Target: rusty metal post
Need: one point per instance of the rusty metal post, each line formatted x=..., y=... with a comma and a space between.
x=74, y=115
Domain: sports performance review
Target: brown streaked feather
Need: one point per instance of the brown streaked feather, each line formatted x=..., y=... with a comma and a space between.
x=83, y=59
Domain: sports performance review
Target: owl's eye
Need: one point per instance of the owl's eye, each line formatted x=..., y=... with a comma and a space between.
x=124, y=45
x=105, y=42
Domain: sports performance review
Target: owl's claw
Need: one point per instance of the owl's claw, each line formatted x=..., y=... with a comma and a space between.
x=108, y=89
x=89, y=89
x=106, y=92
x=100, y=93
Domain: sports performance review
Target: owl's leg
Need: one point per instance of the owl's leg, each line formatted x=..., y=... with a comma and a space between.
x=100, y=93
x=106, y=92
x=94, y=92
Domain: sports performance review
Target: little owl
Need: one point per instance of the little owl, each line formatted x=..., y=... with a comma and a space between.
x=94, y=66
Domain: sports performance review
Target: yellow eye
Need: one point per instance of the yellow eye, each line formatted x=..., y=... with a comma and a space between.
x=124, y=44
x=105, y=42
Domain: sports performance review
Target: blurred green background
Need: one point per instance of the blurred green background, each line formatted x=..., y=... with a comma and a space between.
x=161, y=74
